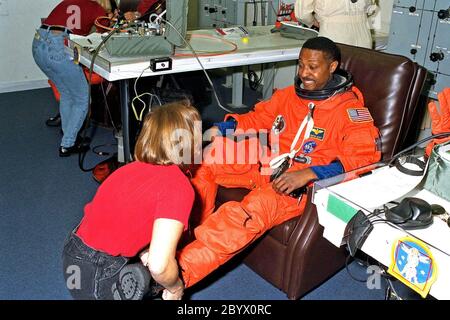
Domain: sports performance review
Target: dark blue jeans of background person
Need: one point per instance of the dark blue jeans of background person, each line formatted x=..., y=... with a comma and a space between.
x=90, y=274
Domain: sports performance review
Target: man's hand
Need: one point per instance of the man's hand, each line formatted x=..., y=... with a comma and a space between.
x=440, y=122
x=289, y=181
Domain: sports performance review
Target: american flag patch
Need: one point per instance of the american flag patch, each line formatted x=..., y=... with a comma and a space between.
x=359, y=115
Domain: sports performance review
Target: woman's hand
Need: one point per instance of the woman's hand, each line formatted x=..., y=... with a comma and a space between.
x=167, y=295
x=130, y=15
x=144, y=256
x=174, y=293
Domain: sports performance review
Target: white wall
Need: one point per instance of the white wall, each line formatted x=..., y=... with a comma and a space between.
x=18, y=21
x=20, y=18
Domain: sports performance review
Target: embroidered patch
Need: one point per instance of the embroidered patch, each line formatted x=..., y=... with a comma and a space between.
x=359, y=115
x=309, y=147
x=317, y=133
x=278, y=125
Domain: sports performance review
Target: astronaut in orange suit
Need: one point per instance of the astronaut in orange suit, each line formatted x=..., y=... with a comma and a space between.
x=321, y=128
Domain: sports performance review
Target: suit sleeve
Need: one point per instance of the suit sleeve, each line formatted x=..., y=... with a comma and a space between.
x=360, y=140
x=263, y=114
x=304, y=11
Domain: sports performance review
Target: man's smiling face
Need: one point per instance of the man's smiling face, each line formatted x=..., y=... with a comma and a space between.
x=315, y=69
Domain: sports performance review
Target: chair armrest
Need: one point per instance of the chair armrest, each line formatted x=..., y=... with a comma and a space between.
x=310, y=258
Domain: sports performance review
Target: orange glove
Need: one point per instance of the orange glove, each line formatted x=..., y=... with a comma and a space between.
x=440, y=122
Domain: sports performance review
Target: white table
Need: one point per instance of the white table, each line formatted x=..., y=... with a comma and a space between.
x=379, y=243
x=262, y=47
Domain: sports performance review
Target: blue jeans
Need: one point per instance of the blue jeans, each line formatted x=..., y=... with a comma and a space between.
x=49, y=54
x=90, y=274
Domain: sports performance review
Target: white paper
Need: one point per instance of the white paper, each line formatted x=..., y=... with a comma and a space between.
x=372, y=191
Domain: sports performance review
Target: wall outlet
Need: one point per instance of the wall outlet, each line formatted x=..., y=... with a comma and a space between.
x=4, y=8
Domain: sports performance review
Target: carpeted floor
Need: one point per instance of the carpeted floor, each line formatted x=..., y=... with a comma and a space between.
x=42, y=198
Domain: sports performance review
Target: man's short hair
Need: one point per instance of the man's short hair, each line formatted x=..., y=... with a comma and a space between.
x=327, y=46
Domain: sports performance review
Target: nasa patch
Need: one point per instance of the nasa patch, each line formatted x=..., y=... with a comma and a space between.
x=278, y=125
x=309, y=147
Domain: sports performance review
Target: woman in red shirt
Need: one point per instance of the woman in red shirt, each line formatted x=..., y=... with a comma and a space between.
x=77, y=17
x=143, y=205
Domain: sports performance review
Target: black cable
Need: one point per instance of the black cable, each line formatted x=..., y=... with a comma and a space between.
x=107, y=108
x=347, y=259
x=434, y=136
x=273, y=8
x=82, y=155
x=255, y=13
x=153, y=8
x=367, y=264
x=103, y=153
x=383, y=274
x=201, y=65
x=263, y=13
x=390, y=286
x=254, y=81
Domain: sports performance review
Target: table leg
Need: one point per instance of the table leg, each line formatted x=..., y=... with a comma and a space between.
x=269, y=79
x=124, y=102
x=238, y=88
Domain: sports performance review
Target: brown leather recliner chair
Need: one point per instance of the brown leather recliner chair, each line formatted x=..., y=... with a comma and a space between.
x=294, y=256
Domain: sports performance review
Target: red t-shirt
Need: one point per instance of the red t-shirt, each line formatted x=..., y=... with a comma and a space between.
x=144, y=5
x=119, y=220
x=77, y=15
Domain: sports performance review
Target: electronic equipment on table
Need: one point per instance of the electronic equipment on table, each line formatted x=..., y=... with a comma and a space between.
x=291, y=29
x=154, y=38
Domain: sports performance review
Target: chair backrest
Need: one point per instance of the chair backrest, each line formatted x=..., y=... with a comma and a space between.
x=391, y=85
x=294, y=256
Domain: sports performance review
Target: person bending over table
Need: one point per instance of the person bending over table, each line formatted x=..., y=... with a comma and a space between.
x=69, y=16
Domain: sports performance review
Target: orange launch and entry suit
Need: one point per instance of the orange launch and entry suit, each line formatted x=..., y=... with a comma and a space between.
x=343, y=130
